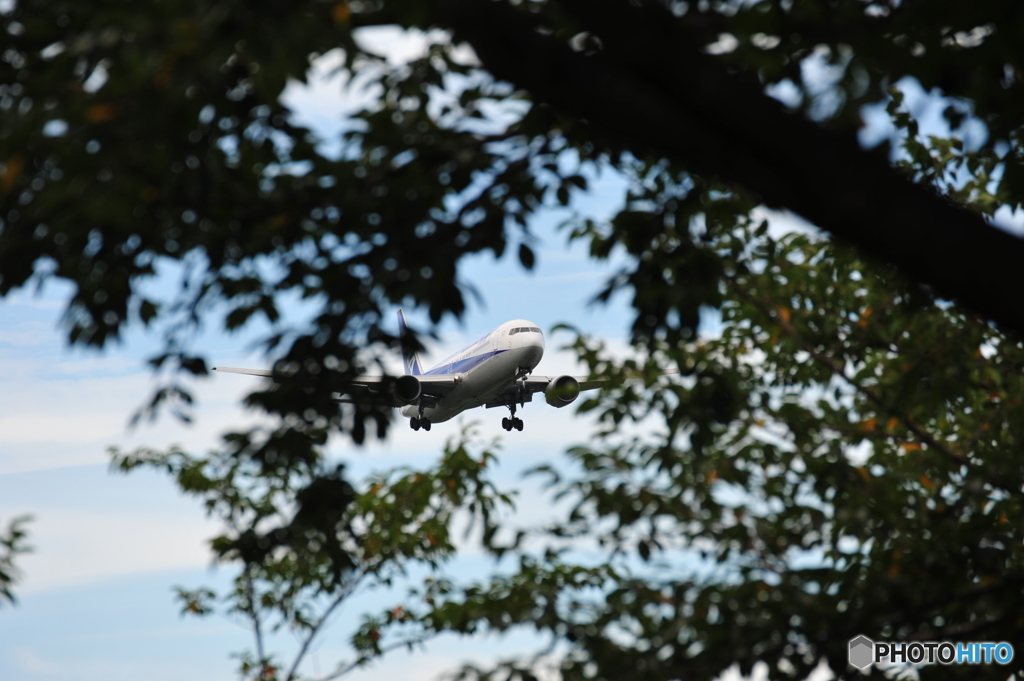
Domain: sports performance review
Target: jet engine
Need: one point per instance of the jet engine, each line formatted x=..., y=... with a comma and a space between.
x=562, y=391
x=406, y=389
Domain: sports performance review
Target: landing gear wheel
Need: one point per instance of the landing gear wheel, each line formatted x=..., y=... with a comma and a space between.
x=510, y=423
x=425, y=423
x=414, y=423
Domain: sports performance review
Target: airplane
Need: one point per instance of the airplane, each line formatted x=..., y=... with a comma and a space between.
x=494, y=371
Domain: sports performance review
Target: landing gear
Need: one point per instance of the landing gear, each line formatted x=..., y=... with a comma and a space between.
x=421, y=421
x=417, y=423
x=509, y=424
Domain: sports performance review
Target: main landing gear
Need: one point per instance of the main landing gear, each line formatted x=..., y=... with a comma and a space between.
x=419, y=422
x=510, y=423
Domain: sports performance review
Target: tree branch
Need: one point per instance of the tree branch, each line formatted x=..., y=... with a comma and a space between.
x=315, y=629
x=651, y=90
x=257, y=631
x=413, y=640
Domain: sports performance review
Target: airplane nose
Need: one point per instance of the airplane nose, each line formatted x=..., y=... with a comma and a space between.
x=533, y=346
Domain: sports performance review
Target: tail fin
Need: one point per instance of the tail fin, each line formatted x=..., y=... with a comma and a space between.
x=412, y=360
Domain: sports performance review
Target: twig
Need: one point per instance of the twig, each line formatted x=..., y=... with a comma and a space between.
x=345, y=593
x=341, y=671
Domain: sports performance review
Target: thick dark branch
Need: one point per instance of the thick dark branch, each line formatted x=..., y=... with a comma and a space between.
x=651, y=90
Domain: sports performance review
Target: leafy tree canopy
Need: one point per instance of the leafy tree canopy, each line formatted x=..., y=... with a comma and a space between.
x=844, y=458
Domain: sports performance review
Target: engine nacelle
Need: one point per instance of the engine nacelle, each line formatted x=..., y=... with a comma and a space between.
x=406, y=389
x=562, y=391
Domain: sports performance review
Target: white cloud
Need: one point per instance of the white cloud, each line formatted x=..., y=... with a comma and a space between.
x=76, y=546
x=30, y=660
x=26, y=335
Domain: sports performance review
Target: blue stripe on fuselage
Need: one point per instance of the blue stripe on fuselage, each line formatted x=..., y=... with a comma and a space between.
x=463, y=365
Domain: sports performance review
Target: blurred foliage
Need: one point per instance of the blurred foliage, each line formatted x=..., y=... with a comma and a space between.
x=12, y=543
x=843, y=459
x=307, y=542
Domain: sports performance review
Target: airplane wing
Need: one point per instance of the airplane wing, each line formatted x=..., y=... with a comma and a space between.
x=559, y=391
x=402, y=389
x=538, y=384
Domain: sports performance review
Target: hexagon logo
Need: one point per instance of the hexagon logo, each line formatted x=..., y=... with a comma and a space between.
x=862, y=652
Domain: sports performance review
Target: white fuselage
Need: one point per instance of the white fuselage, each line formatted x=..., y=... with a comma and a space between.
x=487, y=368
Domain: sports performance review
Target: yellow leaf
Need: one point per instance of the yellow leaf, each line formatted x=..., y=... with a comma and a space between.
x=98, y=113
x=870, y=424
x=927, y=482
x=911, y=446
x=893, y=422
x=11, y=173
x=864, y=317
x=341, y=13
x=785, y=314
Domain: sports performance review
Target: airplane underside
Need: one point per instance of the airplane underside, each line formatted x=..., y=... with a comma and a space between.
x=492, y=384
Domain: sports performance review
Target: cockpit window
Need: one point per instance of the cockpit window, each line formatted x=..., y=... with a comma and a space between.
x=513, y=332
x=534, y=329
